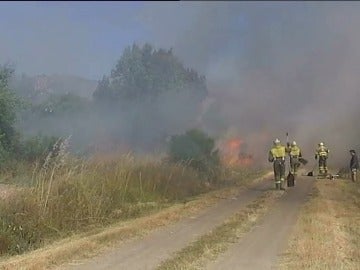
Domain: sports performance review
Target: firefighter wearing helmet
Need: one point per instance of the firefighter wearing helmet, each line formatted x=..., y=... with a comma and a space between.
x=322, y=153
x=295, y=155
x=277, y=157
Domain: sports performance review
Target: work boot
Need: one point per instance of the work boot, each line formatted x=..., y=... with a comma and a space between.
x=353, y=176
x=281, y=187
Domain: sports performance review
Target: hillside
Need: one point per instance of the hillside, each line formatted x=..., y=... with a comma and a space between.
x=39, y=87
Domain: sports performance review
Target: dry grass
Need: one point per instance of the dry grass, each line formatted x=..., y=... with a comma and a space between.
x=68, y=196
x=327, y=234
x=6, y=191
x=91, y=243
x=65, y=196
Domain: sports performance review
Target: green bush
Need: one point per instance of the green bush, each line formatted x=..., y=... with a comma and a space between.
x=196, y=149
x=37, y=147
x=9, y=104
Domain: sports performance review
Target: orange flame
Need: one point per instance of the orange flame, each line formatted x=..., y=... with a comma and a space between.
x=232, y=153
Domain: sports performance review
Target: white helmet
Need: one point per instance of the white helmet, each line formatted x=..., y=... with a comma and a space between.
x=277, y=141
x=293, y=143
x=321, y=144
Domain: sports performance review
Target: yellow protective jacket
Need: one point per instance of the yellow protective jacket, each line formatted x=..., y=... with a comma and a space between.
x=294, y=151
x=322, y=151
x=277, y=152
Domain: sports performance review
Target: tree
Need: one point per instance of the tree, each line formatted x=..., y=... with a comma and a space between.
x=103, y=90
x=145, y=73
x=8, y=106
x=155, y=94
x=11, y=144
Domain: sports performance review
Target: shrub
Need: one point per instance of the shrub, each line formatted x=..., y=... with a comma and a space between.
x=196, y=149
x=37, y=147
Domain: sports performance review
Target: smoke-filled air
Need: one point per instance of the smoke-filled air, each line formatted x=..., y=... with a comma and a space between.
x=128, y=76
x=112, y=111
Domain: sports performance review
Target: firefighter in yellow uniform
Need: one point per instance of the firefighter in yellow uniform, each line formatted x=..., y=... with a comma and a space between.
x=295, y=154
x=277, y=156
x=322, y=152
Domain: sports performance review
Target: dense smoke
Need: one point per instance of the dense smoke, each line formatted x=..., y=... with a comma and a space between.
x=271, y=68
x=274, y=68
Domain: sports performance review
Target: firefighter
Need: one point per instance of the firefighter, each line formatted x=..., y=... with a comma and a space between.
x=354, y=165
x=322, y=152
x=295, y=155
x=277, y=156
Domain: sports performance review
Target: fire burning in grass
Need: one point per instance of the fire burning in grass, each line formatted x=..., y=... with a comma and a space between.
x=234, y=152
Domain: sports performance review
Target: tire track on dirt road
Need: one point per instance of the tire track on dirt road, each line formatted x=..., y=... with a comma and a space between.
x=259, y=249
x=148, y=252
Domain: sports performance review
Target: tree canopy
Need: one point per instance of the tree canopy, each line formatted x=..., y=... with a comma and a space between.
x=145, y=73
x=153, y=93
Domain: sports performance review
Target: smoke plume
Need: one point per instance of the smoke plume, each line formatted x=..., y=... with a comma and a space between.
x=272, y=68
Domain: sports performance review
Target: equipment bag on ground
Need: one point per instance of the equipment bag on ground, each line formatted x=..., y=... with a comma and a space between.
x=290, y=180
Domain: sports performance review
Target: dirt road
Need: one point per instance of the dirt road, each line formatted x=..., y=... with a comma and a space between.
x=154, y=248
x=258, y=249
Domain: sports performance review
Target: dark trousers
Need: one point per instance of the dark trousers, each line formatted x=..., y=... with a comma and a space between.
x=279, y=171
x=294, y=165
x=322, y=165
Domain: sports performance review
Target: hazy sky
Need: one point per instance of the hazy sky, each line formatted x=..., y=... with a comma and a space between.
x=273, y=66
x=80, y=38
x=86, y=38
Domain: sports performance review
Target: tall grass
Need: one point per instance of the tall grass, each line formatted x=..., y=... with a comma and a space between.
x=68, y=195
x=65, y=195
